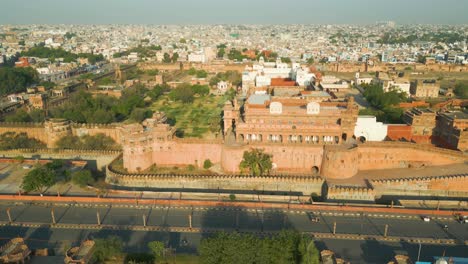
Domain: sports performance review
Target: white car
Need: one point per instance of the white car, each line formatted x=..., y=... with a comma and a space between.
x=426, y=219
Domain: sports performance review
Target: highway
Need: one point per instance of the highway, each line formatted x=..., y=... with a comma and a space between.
x=208, y=219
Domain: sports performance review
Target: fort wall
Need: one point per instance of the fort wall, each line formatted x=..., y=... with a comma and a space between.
x=33, y=130
x=305, y=185
x=390, y=155
x=96, y=160
x=446, y=186
x=50, y=132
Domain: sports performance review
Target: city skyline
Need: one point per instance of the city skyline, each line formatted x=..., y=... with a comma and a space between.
x=242, y=12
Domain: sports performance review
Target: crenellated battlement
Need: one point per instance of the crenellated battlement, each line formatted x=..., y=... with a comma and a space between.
x=423, y=147
x=458, y=177
x=21, y=124
x=336, y=192
x=95, y=125
x=90, y=152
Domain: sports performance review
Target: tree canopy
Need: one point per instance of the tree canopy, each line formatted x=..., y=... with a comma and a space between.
x=257, y=162
x=84, y=108
x=385, y=102
x=16, y=80
x=107, y=249
x=82, y=178
x=52, y=54
x=38, y=179
x=13, y=140
x=98, y=142
x=285, y=247
x=461, y=90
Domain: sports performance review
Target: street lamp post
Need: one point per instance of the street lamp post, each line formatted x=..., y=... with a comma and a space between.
x=419, y=251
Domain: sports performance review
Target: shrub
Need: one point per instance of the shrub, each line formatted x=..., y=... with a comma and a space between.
x=207, y=164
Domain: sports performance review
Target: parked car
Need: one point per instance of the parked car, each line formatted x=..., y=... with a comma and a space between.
x=426, y=218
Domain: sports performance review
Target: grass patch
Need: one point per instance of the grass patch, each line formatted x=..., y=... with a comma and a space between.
x=199, y=119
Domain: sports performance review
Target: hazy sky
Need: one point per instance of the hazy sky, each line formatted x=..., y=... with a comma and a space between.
x=232, y=11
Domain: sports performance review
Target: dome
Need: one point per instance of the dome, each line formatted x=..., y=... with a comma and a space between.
x=441, y=261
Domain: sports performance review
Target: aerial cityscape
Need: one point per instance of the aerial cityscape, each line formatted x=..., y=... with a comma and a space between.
x=234, y=132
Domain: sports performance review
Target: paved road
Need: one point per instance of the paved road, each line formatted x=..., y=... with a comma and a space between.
x=367, y=251
x=232, y=218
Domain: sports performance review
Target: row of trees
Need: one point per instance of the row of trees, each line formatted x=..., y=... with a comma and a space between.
x=385, y=102
x=167, y=58
x=285, y=247
x=84, y=108
x=16, y=80
x=186, y=92
x=35, y=115
x=52, y=54
x=98, y=142
x=395, y=37
x=143, y=51
x=233, y=77
x=45, y=176
x=197, y=73
x=13, y=140
x=111, y=249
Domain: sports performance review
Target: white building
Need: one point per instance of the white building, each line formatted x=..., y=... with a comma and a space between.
x=363, y=79
x=197, y=57
x=262, y=80
x=368, y=128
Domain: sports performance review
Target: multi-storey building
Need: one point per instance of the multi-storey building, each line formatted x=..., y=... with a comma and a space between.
x=296, y=120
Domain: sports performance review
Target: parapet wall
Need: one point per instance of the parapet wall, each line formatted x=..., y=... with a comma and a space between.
x=350, y=193
x=96, y=159
x=390, y=155
x=306, y=185
x=39, y=131
x=449, y=186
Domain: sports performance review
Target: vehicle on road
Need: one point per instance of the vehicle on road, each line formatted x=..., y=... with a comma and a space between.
x=461, y=219
x=315, y=219
x=426, y=218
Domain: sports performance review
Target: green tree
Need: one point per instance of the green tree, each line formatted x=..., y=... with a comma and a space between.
x=166, y=58
x=13, y=140
x=107, y=249
x=19, y=116
x=309, y=253
x=256, y=162
x=175, y=57
x=284, y=247
x=421, y=59
x=157, y=91
x=38, y=179
x=183, y=93
x=201, y=90
x=98, y=141
x=461, y=90
x=140, y=114
x=220, y=53
x=285, y=60
x=310, y=61
x=202, y=74
x=82, y=178
x=157, y=248
x=207, y=164
x=16, y=80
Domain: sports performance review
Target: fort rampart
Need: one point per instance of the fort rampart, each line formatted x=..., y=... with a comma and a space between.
x=51, y=131
x=96, y=159
x=284, y=183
